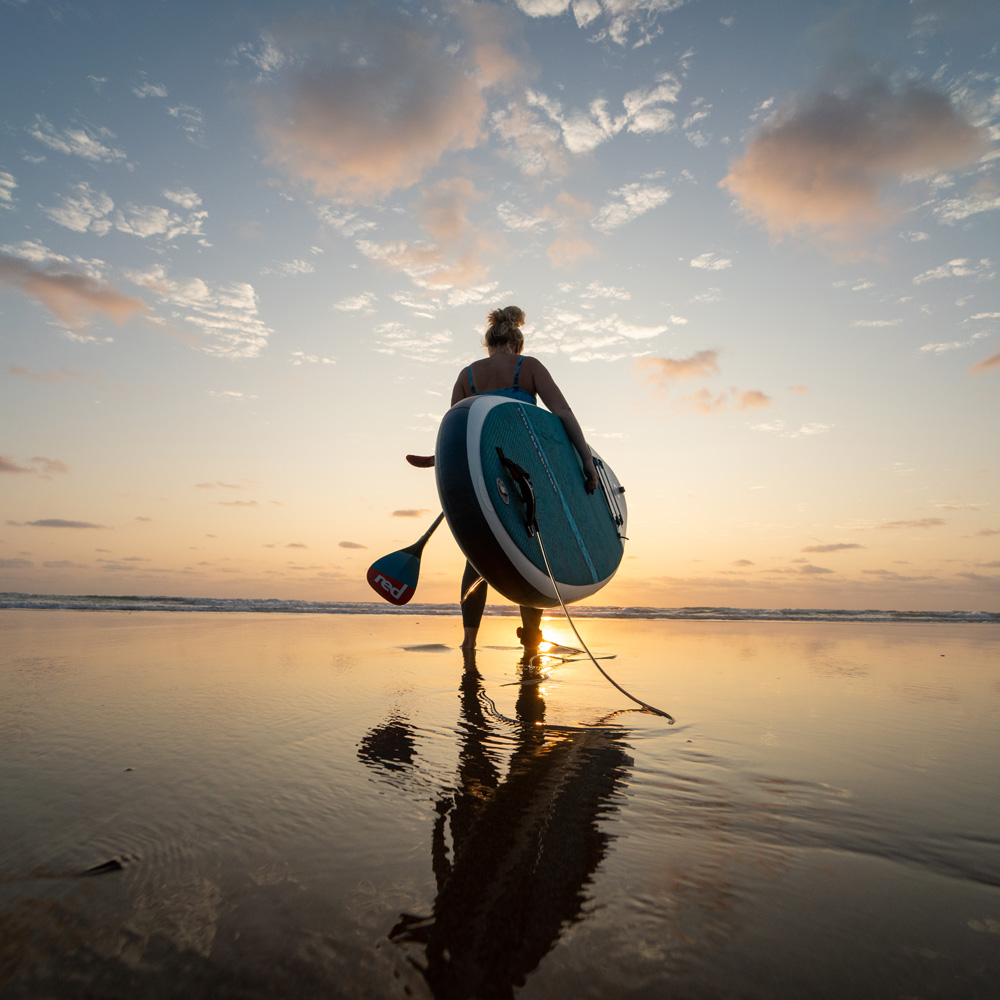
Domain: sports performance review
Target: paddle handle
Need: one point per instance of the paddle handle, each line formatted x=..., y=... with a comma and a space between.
x=418, y=546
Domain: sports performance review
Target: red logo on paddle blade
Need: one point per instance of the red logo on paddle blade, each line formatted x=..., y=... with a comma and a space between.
x=392, y=590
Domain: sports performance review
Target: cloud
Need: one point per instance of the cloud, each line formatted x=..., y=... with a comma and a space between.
x=83, y=142
x=15, y=563
x=961, y=267
x=154, y=220
x=347, y=223
x=395, y=338
x=371, y=103
x=952, y=345
x=191, y=120
x=496, y=52
x=703, y=401
x=531, y=144
x=7, y=186
x=987, y=532
x=569, y=215
x=987, y=364
x=956, y=209
x=49, y=378
x=711, y=262
x=834, y=547
x=185, y=197
x=86, y=210
x=56, y=522
x=225, y=314
x=237, y=503
x=582, y=131
x=290, y=269
x=631, y=201
x=925, y=522
x=660, y=371
x=621, y=16
x=778, y=427
x=644, y=110
x=71, y=297
x=595, y=290
x=147, y=89
x=824, y=165
x=410, y=512
x=352, y=545
x=300, y=357
x=460, y=251
x=364, y=304
x=589, y=337
x=40, y=466
x=231, y=395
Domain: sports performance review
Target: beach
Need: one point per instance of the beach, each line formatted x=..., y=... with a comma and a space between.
x=345, y=805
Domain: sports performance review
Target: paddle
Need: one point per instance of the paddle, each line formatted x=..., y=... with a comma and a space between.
x=394, y=577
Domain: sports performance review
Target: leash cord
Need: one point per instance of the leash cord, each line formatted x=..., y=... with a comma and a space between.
x=607, y=676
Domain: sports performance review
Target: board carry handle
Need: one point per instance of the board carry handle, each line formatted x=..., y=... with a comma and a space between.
x=611, y=495
x=524, y=488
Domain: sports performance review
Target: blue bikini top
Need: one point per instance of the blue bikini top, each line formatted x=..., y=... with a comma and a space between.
x=512, y=392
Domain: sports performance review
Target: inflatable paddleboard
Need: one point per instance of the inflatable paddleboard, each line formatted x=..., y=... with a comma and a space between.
x=489, y=448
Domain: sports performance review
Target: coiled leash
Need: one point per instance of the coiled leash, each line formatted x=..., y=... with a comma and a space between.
x=526, y=493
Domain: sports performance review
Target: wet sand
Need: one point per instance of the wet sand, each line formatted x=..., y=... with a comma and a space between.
x=346, y=806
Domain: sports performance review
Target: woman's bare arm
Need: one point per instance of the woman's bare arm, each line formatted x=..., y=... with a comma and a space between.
x=551, y=395
x=460, y=391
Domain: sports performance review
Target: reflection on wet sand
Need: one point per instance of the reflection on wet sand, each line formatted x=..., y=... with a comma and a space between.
x=523, y=845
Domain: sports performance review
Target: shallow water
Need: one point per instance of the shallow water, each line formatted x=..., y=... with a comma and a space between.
x=346, y=806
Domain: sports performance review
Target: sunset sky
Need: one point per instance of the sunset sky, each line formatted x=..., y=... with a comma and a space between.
x=246, y=247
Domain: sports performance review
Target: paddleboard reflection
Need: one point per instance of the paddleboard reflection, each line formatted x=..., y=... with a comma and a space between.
x=516, y=840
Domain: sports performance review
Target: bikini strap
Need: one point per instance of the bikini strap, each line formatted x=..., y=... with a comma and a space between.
x=517, y=370
x=472, y=385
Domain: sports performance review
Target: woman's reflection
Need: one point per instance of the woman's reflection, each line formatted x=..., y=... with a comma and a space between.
x=523, y=846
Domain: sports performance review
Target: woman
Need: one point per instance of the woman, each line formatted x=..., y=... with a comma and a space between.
x=508, y=372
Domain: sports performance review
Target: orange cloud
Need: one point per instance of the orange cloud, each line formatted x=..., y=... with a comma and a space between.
x=71, y=297
x=371, y=104
x=496, y=54
x=993, y=361
x=924, y=522
x=570, y=214
x=822, y=166
x=660, y=371
x=461, y=247
x=703, y=401
x=51, y=377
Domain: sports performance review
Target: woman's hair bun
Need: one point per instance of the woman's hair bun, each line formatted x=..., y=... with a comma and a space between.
x=504, y=329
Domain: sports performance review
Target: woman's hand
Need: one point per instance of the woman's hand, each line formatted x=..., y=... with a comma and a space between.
x=590, y=476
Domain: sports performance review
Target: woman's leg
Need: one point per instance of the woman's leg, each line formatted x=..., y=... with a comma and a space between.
x=530, y=632
x=473, y=605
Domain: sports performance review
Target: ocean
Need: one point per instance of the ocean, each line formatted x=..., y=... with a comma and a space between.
x=236, y=605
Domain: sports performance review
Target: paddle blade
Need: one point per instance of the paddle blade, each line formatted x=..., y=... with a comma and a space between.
x=394, y=577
